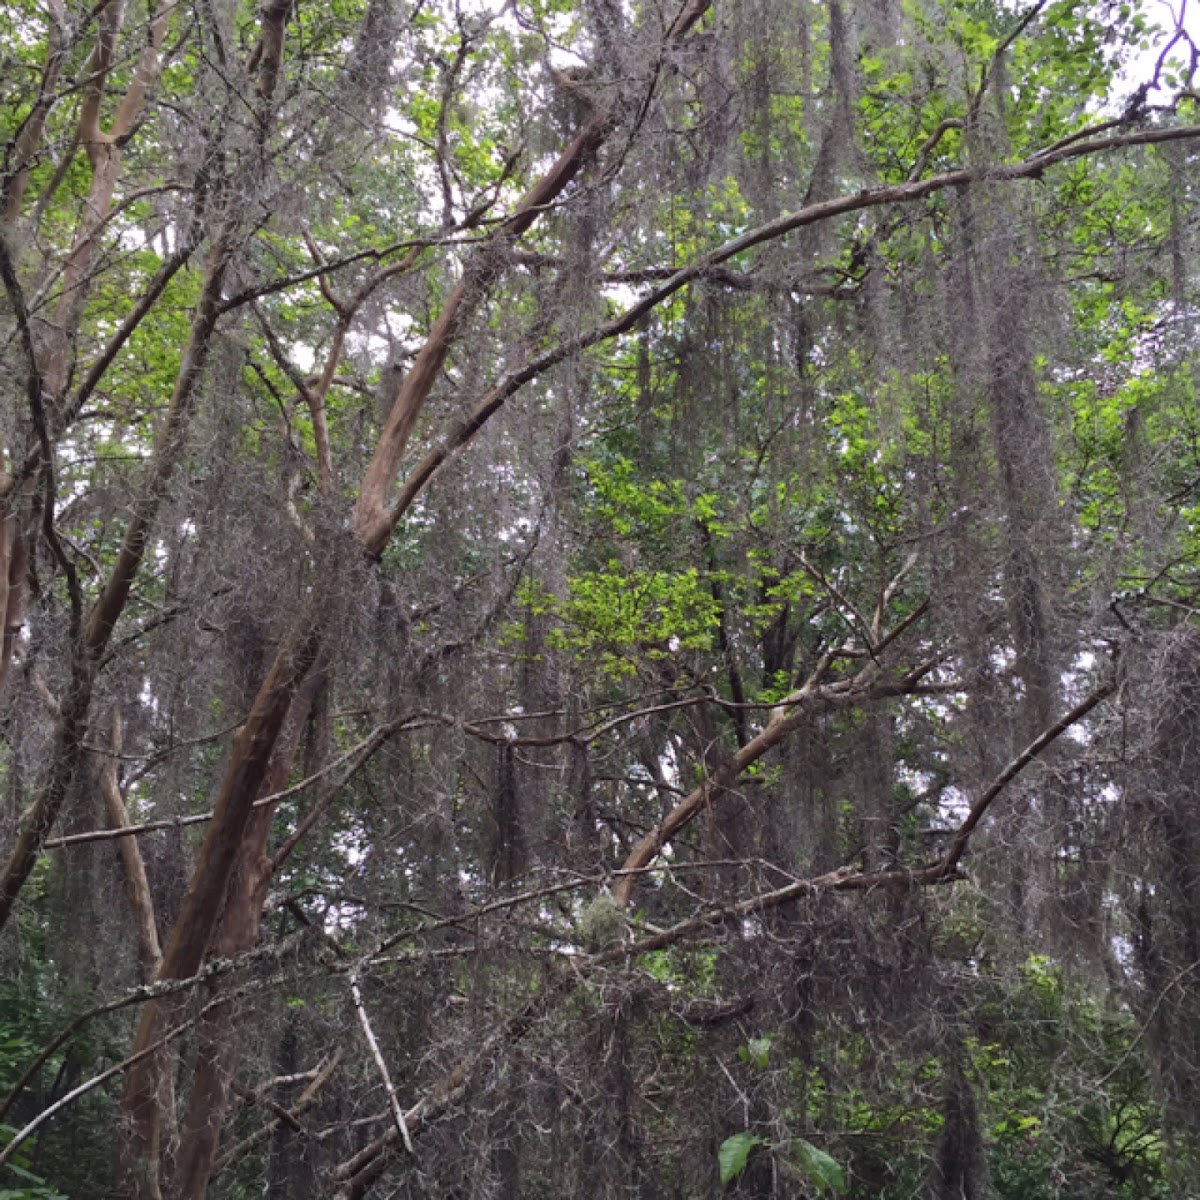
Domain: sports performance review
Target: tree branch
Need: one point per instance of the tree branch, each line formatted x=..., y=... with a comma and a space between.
x=901, y=193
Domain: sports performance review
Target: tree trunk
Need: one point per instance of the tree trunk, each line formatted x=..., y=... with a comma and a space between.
x=218, y=1036
x=221, y=855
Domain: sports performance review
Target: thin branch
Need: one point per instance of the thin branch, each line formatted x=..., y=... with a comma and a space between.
x=989, y=71
x=119, y=1068
x=141, y=995
x=286, y=1116
x=961, y=839
x=1172, y=983
x=888, y=595
x=362, y=750
x=840, y=599
x=901, y=193
x=44, y=455
x=23, y=1135
x=931, y=143
x=258, y=291
x=377, y=1055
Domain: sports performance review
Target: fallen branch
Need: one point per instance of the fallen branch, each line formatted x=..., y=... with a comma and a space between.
x=377, y=1055
x=286, y=1116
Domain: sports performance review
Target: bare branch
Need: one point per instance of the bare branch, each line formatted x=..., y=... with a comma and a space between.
x=902, y=193
x=381, y=1066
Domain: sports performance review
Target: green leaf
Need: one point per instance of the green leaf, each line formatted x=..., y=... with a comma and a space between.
x=756, y=1052
x=735, y=1153
x=820, y=1167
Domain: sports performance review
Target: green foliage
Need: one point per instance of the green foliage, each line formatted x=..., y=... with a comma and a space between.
x=756, y=1052
x=734, y=1153
x=800, y=1156
x=971, y=410
x=629, y=617
x=815, y=1165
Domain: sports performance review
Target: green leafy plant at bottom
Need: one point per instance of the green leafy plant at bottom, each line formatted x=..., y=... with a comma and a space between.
x=798, y=1156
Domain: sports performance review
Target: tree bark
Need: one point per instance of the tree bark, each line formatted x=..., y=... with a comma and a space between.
x=137, y=885
x=218, y=1036
x=250, y=758
x=375, y=514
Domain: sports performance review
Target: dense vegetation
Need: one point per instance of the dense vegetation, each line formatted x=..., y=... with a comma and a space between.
x=599, y=600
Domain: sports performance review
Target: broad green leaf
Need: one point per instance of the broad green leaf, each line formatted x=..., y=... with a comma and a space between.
x=821, y=1168
x=735, y=1153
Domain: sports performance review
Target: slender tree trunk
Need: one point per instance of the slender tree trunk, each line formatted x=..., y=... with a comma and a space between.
x=221, y=854
x=13, y=568
x=137, y=885
x=97, y=630
x=219, y=1036
x=222, y=866
x=29, y=140
x=279, y=1157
